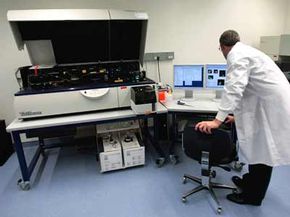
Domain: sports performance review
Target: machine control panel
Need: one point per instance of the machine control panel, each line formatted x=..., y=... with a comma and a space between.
x=37, y=78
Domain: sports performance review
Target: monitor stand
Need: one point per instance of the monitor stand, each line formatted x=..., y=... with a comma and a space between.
x=218, y=94
x=188, y=94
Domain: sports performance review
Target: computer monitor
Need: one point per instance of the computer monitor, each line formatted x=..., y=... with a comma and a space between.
x=215, y=76
x=188, y=77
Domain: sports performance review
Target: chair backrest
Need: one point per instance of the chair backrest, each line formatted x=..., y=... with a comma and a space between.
x=219, y=145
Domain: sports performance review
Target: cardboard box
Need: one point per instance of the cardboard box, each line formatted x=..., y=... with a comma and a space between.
x=133, y=153
x=134, y=156
x=111, y=156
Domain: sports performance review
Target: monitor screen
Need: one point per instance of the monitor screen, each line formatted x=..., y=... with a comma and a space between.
x=188, y=76
x=215, y=75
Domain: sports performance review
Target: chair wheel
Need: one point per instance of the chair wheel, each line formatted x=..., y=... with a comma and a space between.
x=184, y=180
x=219, y=210
x=160, y=161
x=238, y=166
x=235, y=191
x=184, y=200
x=173, y=159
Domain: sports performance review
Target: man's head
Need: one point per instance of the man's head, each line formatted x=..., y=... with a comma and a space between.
x=227, y=40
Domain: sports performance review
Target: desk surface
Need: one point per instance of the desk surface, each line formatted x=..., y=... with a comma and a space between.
x=75, y=119
x=197, y=105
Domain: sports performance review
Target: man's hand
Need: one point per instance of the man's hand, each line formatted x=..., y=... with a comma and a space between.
x=230, y=119
x=206, y=126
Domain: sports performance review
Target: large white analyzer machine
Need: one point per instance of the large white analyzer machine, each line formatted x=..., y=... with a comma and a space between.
x=82, y=59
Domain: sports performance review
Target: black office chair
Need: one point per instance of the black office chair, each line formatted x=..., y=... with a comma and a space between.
x=216, y=149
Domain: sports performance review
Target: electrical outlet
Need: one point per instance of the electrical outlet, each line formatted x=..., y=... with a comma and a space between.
x=162, y=56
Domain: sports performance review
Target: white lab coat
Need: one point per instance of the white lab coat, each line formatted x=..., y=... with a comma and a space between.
x=258, y=94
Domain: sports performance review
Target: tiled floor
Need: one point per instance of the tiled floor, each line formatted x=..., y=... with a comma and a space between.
x=69, y=183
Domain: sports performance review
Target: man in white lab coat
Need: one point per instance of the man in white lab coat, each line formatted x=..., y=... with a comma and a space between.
x=258, y=94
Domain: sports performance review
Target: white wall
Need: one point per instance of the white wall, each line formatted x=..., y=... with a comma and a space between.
x=190, y=28
x=287, y=25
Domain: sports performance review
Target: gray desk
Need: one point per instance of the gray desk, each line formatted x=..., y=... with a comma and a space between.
x=19, y=126
x=193, y=106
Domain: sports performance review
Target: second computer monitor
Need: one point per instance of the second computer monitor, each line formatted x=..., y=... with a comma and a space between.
x=215, y=75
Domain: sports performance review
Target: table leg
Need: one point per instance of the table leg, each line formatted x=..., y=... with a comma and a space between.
x=24, y=183
x=173, y=158
x=154, y=141
x=26, y=170
x=41, y=145
x=161, y=159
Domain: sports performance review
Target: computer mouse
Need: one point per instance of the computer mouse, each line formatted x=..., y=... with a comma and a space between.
x=180, y=102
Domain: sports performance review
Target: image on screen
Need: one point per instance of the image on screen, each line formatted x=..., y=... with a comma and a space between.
x=188, y=76
x=215, y=75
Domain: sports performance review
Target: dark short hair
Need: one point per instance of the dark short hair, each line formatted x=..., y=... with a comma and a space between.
x=229, y=38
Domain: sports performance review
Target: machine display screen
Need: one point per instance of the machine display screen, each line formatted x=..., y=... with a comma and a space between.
x=72, y=41
x=125, y=37
x=88, y=41
x=81, y=42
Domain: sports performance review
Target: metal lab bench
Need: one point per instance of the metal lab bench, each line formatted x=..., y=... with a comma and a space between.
x=19, y=126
